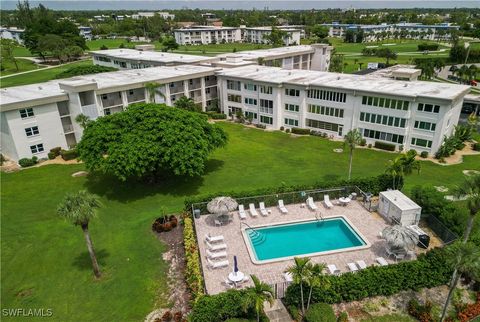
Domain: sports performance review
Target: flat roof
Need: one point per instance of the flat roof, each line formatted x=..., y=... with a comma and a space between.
x=397, y=198
x=351, y=82
x=51, y=91
x=153, y=56
x=272, y=52
x=205, y=28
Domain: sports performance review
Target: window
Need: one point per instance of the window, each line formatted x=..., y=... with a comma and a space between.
x=323, y=125
x=250, y=87
x=421, y=142
x=385, y=102
x=292, y=107
x=327, y=95
x=266, y=89
x=266, y=119
x=291, y=122
x=384, y=136
x=233, y=85
x=234, y=98
x=325, y=110
x=251, y=114
x=425, y=126
x=266, y=103
x=250, y=101
x=429, y=108
x=292, y=92
x=31, y=131
x=26, y=112
x=37, y=148
x=383, y=119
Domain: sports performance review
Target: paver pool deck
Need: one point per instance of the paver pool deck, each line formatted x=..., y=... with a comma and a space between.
x=368, y=224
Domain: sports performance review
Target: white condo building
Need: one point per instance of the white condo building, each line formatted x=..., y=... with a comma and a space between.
x=12, y=33
x=203, y=35
x=36, y=118
x=413, y=114
x=257, y=35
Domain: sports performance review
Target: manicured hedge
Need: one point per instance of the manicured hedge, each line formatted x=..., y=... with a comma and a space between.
x=220, y=307
x=84, y=70
x=384, y=146
x=216, y=116
x=429, y=270
x=320, y=312
x=427, y=46
x=26, y=162
x=193, y=271
x=372, y=184
x=297, y=130
x=476, y=146
x=69, y=154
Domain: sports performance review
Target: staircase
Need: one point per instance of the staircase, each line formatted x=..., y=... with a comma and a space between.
x=256, y=237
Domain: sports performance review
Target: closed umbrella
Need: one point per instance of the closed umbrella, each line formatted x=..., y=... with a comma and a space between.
x=400, y=237
x=235, y=264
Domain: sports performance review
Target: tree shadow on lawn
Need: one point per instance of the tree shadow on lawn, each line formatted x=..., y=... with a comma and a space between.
x=83, y=261
x=134, y=189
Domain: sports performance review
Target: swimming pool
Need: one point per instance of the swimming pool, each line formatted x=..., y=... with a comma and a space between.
x=307, y=238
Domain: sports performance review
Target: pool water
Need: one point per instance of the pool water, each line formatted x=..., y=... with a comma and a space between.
x=311, y=237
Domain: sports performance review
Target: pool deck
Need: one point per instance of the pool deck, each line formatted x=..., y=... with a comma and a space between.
x=368, y=224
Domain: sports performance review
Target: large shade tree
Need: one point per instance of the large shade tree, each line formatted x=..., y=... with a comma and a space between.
x=79, y=208
x=148, y=140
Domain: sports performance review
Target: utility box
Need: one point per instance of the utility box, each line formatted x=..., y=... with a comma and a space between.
x=398, y=208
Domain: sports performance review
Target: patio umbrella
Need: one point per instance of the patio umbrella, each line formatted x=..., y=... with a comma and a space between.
x=400, y=237
x=221, y=206
x=235, y=264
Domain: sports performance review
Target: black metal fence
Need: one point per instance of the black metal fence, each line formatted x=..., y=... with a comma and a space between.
x=287, y=197
x=446, y=235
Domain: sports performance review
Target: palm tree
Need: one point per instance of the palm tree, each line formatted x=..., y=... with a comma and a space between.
x=395, y=168
x=465, y=258
x=410, y=163
x=470, y=188
x=300, y=273
x=82, y=120
x=79, y=208
x=257, y=295
x=315, y=279
x=352, y=138
x=153, y=89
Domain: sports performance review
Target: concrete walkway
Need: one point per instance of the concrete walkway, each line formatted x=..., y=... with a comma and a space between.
x=277, y=312
x=40, y=69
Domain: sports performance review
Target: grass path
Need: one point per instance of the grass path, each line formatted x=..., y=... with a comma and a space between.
x=44, y=260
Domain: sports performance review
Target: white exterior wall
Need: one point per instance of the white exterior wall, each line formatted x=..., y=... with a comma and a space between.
x=204, y=37
x=51, y=134
x=444, y=120
x=13, y=34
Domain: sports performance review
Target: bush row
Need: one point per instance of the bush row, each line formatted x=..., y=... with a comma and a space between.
x=476, y=146
x=267, y=195
x=216, y=115
x=69, y=154
x=384, y=146
x=220, y=307
x=27, y=162
x=55, y=152
x=429, y=270
x=297, y=130
x=193, y=271
x=427, y=46
x=84, y=70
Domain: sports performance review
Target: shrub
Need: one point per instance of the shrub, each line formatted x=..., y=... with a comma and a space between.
x=178, y=316
x=261, y=126
x=430, y=270
x=103, y=47
x=282, y=128
x=297, y=130
x=421, y=312
x=370, y=145
x=424, y=154
x=342, y=317
x=193, y=271
x=56, y=150
x=476, y=146
x=363, y=142
x=294, y=312
x=2, y=159
x=470, y=311
x=26, y=162
x=427, y=46
x=384, y=146
x=287, y=130
x=84, y=70
x=320, y=312
x=167, y=316
x=51, y=155
x=216, y=116
x=69, y=154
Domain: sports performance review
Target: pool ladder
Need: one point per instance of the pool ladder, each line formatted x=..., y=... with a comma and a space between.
x=318, y=217
x=255, y=236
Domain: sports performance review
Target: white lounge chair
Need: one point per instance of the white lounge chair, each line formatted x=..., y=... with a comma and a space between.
x=217, y=264
x=216, y=255
x=311, y=204
x=282, y=207
x=263, y=210
x=332, y=268
x=228, y=283
x=216, y=247
x=352, y=267
x=241, y=212
x=381, y=261
x=214, y=239
x=217, y=222
x=361, y=264
x=253, y=212
x=327, y=202
x=288, y=277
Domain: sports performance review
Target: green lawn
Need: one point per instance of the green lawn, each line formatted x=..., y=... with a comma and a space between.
x=398, y=46
x=110, y=43
x=23, y=66
x=22, y=52
x=223, y=48
x=44, y=259
x=40, y=75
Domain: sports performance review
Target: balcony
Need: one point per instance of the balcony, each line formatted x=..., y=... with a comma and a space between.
x=136, y=95
x=67, y=128
x=111, y=99
x=266, y=110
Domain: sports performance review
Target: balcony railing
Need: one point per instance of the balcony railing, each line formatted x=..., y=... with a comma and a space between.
x=67, y=128
x=266, y=110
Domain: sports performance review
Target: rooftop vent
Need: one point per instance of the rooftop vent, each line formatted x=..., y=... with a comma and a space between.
x=40, y=87
x=338, y=77
x=405, y=85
